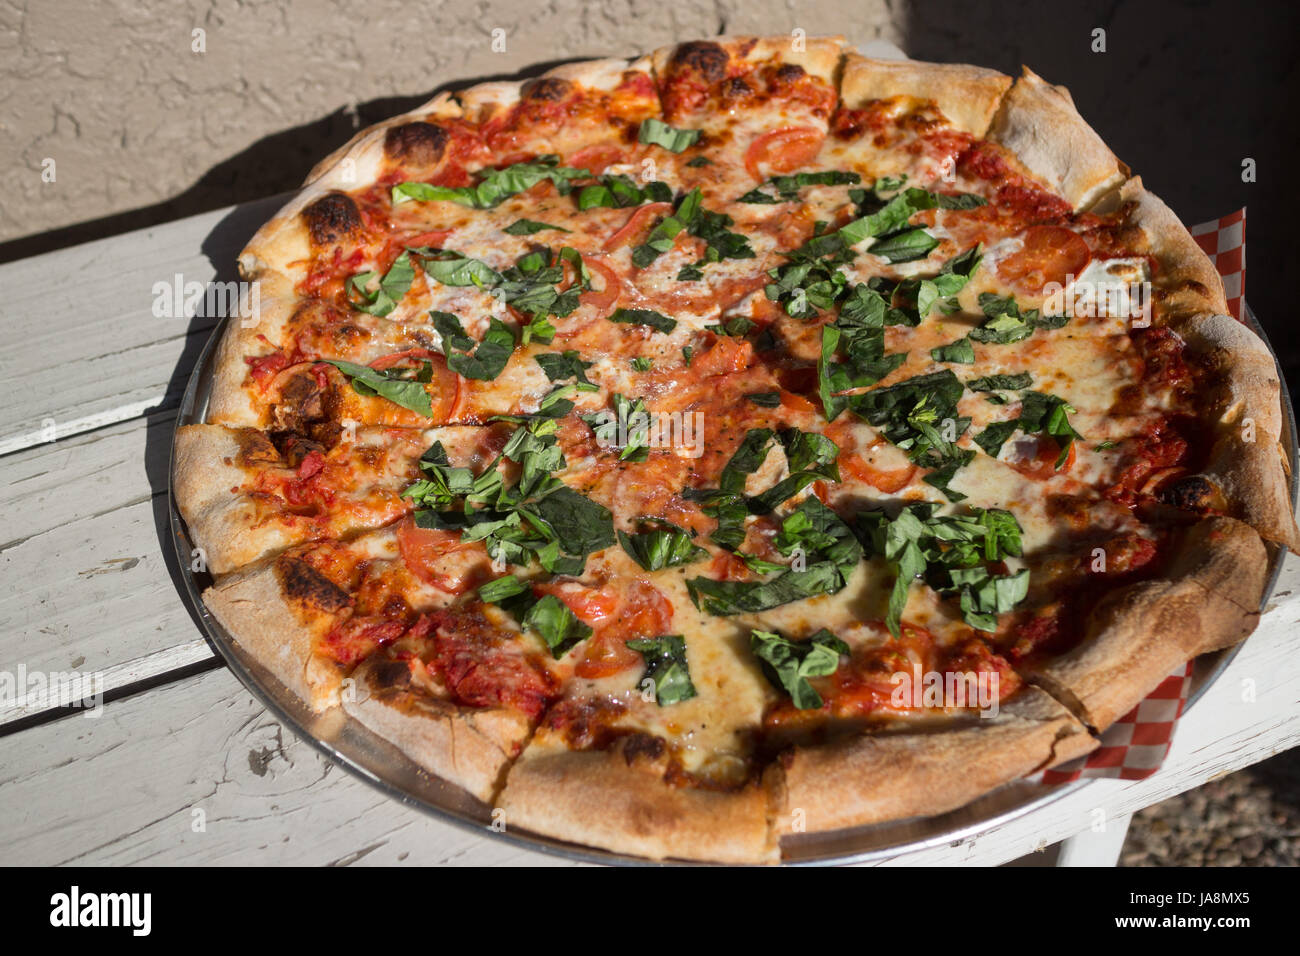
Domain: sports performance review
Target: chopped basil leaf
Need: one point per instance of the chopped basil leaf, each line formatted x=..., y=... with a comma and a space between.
x=765, y=399
x=1005, y=324
x=621, y=192
x=666, y=668
x=526, y=227
x=787, y=187
x=946, y=550
x=656, y=320
x=663, y=547
x=658, y=133
x=993, y=383
x=829, y=553
x=496, y=185
x=409, y=393
x=559, y=366
x=960, y=352
x=788, y=664
x=392, y=287
x=904, y=246
x=494, y=592
x=557, y=624
x=641, y=364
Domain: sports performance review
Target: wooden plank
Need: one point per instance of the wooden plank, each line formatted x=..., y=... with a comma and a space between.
x=77, y=478
x=203, y=744
x=85, y=523
x=204, y=749
x=91, y=351
x=93, y=595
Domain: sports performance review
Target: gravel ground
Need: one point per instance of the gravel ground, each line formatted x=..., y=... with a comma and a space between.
x=1249, y=818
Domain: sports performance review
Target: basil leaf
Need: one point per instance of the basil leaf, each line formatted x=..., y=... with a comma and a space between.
x=724, y=598
x=961, y=352
x=641, y=364
x=561, y=365
x=394, y=285
x=765, y=399
x=408, y=393
x=666, y=667
x=557, y=624
x=453, y=269
x=656, y=320
x=992, y=383
x=658, y=133
x=579, y=524
x=787, y=187
x=788, y=664
x=488, y=360
x=496, y=185
x=622, y=192
x=494, y=592
x=526, y=227
x=904, y=246
x=661, y=548
x=947, y=550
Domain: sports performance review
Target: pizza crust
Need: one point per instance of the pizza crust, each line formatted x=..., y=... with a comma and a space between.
x=221, y=522
x=1244, y=402
x=618, y=799
x=1208, y=599
x=871, y=778
x=1185, y=281
x=1039, y=124
x=819, y=56
x=967, y=95
x=278, y=632
x=467, y=747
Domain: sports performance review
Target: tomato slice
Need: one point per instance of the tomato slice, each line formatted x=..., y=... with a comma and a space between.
x=428, y=553
x=592, y=606
x=595, y=159
x=783, y=150
x=637, y=223
x=433, y=239
x=886, y=480
x=602, y=299
x=446, y=395
x=641, y=612
x=1040, y=463
x=606, y=656
x=393, y=358
x=1050, y=254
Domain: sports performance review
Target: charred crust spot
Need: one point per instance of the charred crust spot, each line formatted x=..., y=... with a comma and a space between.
x=549, y=89
x=1192, y=493
x=301, y=401
x=736, y=87
x=332, y=218
x=789, y=72
x=708, y=59
x=420, y=144
x=255, y=447
x=294, y=448
x=390, y=675
x=303, y=583
x=643, y=747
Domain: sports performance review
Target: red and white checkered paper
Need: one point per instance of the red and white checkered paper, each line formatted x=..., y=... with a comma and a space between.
x=1135, y=746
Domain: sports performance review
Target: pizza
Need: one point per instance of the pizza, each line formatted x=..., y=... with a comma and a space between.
x=683, y=453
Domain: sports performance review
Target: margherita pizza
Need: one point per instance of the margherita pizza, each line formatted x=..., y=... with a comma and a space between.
x=747, y=438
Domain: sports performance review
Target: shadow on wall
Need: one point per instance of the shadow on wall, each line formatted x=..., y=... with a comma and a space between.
x=274, y=164
x=1183, y=93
